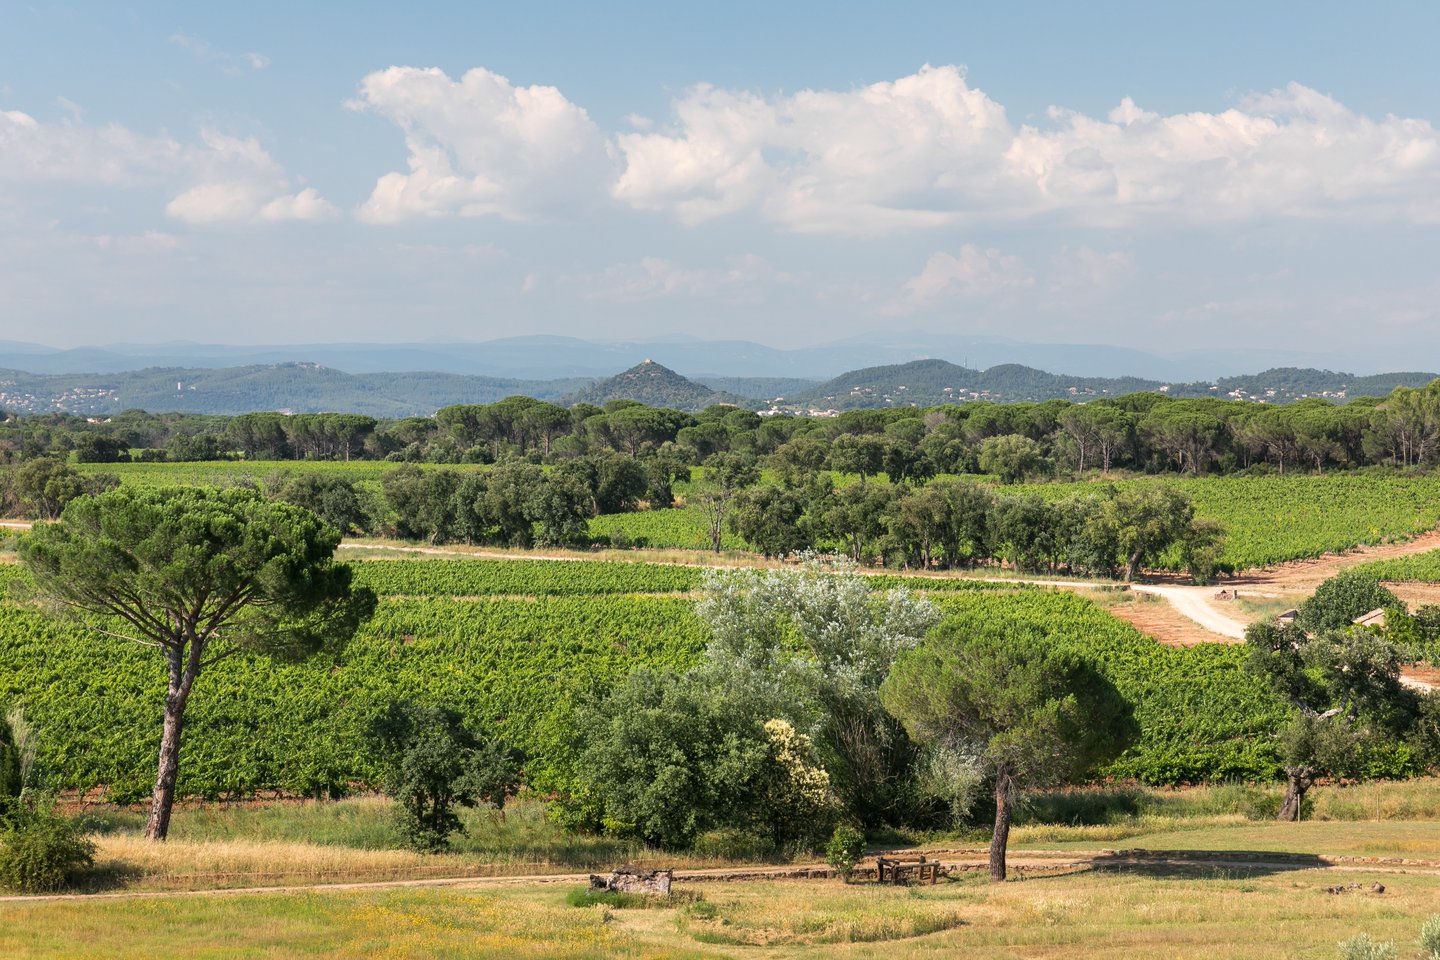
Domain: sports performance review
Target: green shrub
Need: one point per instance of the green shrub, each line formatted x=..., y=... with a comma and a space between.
x=1361, y=947
x=1430, y=938
x=845, y=849
x=43, y=851
x=1342, y=598
x=435, y=763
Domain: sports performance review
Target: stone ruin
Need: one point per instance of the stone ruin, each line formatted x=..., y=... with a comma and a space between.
x=628, y=879
x=1355, y=887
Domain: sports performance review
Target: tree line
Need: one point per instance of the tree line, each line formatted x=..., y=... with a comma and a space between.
x=946, y=524
x=1145, y=432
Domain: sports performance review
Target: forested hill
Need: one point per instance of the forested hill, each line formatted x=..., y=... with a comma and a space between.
x=655, y=386
x=929, y=382
x=291, y=387
x=313, y=388
x=926, y=383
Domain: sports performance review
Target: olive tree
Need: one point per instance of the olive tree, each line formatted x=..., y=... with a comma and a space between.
x=823, y=642
x=1032, y=714
x=1344, y=686
x=197, y=576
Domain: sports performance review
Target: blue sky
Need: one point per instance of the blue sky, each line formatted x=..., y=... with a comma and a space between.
x=1065, y=172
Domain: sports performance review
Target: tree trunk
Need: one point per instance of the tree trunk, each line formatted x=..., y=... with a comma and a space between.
x=1298, y=780
x=1000, y=838
x=162, y=800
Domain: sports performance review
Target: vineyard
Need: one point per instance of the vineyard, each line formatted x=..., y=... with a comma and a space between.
x=1272, y=519
x=501, y=578
x=1200, y=715
x=546, y=631
x=213, y=473
x=1417, y=568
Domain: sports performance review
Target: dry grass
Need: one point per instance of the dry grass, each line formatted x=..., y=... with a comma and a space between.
x=138, y=864
x=305, y=842
x=280, y=844
x=1216, y=915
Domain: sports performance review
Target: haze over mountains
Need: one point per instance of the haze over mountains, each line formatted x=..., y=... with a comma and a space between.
x=550, y=357
x=314, y=388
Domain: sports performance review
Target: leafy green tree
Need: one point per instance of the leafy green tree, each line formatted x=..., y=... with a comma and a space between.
x=260, y=436
x=620, y=482
x=1081, y=424
x=333, y=499
x=665, y=757
x=1201, y=548
x=544, y=422
x=1338, y=601
x=433, y=763
x=561, y=507
x=1011, y=457
x=946, y=520
x=1146, y=521
x=43, y=486
x=662, y=472
x=1344, y=686
x=859, y=454
x=1027, y=530
x=726, y=474
x=816, y=644
x=198, y=576
x=1032, y=713
x=799, y=458
x=422, y=503
x=768, y=517
x=855, y=517
x=1185, y=431
x=93, y=448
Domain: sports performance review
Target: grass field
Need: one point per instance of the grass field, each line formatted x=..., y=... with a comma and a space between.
x=353, y=840
x=1216, y=914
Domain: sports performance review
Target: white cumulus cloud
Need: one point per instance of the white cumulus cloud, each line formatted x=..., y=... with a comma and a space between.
x=481, y=145
x=219, y=178
x=929, y=150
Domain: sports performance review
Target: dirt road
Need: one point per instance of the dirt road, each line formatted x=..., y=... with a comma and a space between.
x=957, y=861
x=1193, y=602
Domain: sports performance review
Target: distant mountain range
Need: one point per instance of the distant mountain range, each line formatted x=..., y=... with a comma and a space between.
x=550, y=357
x=929, y=382
x=313, y=388
x=292, y=387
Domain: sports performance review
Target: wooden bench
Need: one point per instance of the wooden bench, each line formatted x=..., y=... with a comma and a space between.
x=898, y=869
